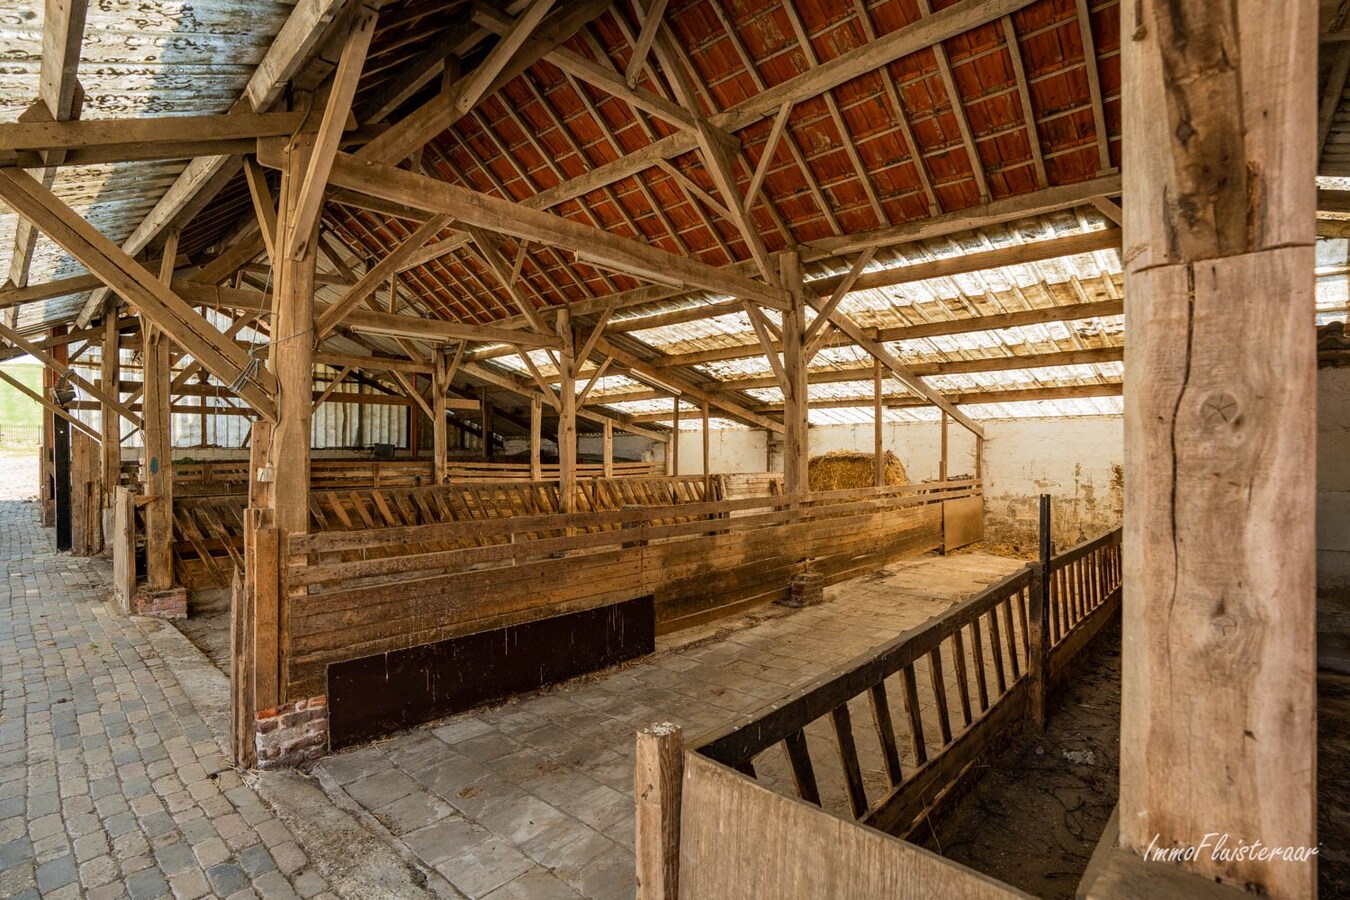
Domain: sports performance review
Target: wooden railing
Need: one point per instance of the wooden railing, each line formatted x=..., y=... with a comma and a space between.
x=209, y=528
x=954, y=685
x=470, y=470
x=231, y=476
x=361, y=592
x=940, y=698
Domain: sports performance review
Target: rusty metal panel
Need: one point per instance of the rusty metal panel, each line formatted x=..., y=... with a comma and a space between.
x=962, y=522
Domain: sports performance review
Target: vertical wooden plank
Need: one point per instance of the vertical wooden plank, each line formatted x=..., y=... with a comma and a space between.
x=607, y=455
x=675, y=435
x=266, y=593
x=1010, y=633
x=440, y=387
x=942, y=460
x=977, y=652
x=657, y=782
x=707, y=452
x=996, y=651
x=917, y=742
x=848, y=758
x=124, y=547
x=940, y=693
x=881, y=715
x=962, y=675
x=803, y=773
x=110, y=374
x=1218, y=697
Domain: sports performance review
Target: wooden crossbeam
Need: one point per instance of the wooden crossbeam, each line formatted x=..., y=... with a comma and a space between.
x=92, y=141
x=815, y=330
x=121, y=273
x=505, y=217
x=651, y=24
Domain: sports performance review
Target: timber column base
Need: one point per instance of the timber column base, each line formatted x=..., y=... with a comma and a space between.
x=293, y=734
x=170, y=603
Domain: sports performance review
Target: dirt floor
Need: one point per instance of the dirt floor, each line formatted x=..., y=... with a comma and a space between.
x=1333, y=784
x=208, y=625
x=1034, y=818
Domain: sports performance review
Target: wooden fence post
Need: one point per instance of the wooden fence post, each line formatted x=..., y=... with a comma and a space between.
x=1038, y=659
x=124, y=548
x=658, y=776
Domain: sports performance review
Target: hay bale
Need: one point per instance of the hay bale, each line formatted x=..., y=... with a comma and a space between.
x=846, y=469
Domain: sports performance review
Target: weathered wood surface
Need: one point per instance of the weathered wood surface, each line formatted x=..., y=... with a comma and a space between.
x=385, y=589
x=658, y=773
x=738, y=839
x=209, y=527
x=1218, y=725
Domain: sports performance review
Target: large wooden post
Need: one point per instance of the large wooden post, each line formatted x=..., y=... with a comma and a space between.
x=707, y=453
x=486, y=408
x=942, y=460
x=796, y=450
x=878, y=426
x=440, y=387
x=675, y=435
x=607, y=450
x=567, y=416
x=1218, y=697
x=536, y=436
x=292, y=352
x=110, y=447
x=157, y=454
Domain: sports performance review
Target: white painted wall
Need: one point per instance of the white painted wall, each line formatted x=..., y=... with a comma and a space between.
x=1333, y=477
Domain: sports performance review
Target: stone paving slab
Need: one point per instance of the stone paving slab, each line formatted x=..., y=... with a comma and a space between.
x=533, y=798
x=111, y=782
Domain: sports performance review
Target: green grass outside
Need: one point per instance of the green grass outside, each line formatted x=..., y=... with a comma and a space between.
x=20, y=417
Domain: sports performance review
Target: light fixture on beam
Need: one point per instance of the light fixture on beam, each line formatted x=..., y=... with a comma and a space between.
x=583, y=257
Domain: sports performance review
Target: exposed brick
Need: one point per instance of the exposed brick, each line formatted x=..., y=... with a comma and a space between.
x=292, y=735
x=170, y=603
x=806, y=589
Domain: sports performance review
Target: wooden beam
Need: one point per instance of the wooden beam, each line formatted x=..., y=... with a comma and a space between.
x=332, y=386
x=1094, y=86
x=150, y=297
x=815, y=332
x=376, y=275
x=878, y=427
x=507, y=276
x=651, y=24
x=264, y=207
x=766, y=157
x=796, y=440
x=303, y=220
x=1024, y=98
x=505, y=217
x=157, y=455
x=92, y=141
x=110, y=376
x=456, y=40
x=1331, y=97
x=418, y=328
x=479, y=82
x=58, y=91
x=1220, y=452
x=567, y=416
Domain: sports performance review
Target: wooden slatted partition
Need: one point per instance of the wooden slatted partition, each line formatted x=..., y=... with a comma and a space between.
x=209, y=528
x=939, y=697
x=358, y=593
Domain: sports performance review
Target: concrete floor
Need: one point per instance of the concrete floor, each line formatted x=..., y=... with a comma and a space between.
x=533, y=798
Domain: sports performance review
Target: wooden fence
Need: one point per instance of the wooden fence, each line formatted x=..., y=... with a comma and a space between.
x=209, y=528
x=362, y=592
x=957, y=686
x=470, y=470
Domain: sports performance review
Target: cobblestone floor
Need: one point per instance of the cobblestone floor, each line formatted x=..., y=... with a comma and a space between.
x=111, y=783
x=533, y=799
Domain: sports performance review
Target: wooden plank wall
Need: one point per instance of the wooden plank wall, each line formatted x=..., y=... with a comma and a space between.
x=364, y=592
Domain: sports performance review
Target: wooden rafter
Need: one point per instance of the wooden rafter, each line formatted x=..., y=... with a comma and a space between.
x=121, y=273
